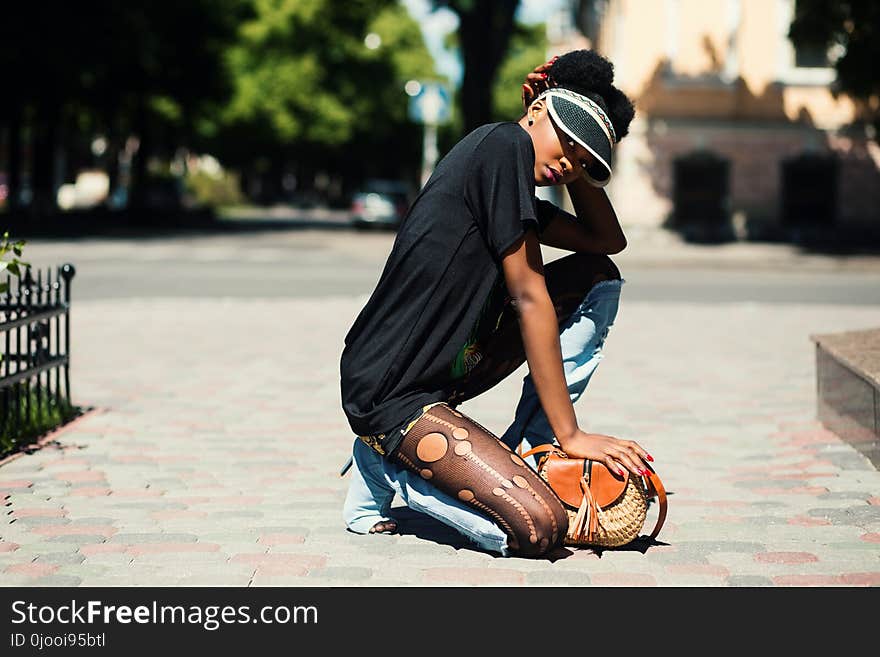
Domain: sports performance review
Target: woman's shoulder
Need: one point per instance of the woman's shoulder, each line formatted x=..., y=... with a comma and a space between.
x=509, y=131
x=504, y=136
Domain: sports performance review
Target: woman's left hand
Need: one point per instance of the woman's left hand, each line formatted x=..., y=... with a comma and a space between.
x=536, y=82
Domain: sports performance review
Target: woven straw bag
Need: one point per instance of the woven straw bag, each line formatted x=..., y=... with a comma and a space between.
x=604, y=510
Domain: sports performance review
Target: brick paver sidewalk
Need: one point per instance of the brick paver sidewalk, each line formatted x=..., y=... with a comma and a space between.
x=213, y=456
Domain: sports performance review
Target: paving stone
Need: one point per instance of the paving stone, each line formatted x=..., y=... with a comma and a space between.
x=177, y=560
x=853, y=515
x=273, y=579
x=94, y=521
x=569, y=578
x=341, y=573
x=77, y=539
x=765, y=504
x=17, y=580
x=37, y=521
x=57, y=580
x=109, y=559
x=748, y=581
x=764, y=483
x=311, y=506
x=222, y=515
x=765, y=521
x=43, y=545
x=61, y=558
x=156, y=537
x=202, y=454
x=300, y=530
x=624, y=579
x=850, y=461
x=216, y=579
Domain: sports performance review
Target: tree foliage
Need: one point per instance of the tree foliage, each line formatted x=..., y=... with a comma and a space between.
x=274, y=79
x=528, y=48
x=303, y=75
x=854, y=27
x=484, y=31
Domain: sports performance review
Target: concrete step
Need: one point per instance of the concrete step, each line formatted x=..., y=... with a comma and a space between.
x=848, y=387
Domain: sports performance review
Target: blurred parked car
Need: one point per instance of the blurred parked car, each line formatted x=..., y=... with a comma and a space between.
x=380, y=203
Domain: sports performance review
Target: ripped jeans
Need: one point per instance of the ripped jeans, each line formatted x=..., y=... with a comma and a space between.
x=585, y=317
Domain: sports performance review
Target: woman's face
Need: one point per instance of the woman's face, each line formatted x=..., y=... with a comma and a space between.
x=559, y=159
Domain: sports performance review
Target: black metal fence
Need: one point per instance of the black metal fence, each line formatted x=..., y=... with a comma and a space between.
x=35, y=367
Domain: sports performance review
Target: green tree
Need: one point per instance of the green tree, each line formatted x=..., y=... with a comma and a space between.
x=115, y=67
x=854, y=27
x=528, y=48
x=164, y=70
x=485, y=28
x=310, y=92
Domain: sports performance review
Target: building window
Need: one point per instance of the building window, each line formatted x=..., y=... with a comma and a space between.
x=810, y=56
x=804, y=66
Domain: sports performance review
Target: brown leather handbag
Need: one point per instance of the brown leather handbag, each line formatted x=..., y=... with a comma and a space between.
x=604, y=509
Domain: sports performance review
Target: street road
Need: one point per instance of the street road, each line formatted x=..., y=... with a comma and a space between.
x=315, y=260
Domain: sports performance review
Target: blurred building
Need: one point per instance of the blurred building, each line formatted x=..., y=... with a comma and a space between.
x=727, y=107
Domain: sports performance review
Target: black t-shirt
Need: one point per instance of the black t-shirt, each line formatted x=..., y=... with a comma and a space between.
x=445, y=260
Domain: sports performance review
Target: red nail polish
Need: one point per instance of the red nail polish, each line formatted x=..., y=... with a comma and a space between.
x=544, y=75
x=650, y=458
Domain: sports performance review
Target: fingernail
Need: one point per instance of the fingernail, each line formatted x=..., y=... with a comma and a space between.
x=650, y=458
x=620, y=472
x=544, y=75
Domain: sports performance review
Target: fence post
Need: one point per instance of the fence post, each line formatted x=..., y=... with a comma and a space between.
x=67, y=272
x=27, y=304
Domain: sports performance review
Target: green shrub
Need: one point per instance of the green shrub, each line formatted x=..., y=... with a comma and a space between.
x=13, y=266
x=216, y=190
x=37, y=415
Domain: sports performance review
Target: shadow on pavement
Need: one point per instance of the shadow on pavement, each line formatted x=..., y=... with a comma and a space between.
x=422, y=526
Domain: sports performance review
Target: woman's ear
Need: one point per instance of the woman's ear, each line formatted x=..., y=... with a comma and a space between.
x=536, y=109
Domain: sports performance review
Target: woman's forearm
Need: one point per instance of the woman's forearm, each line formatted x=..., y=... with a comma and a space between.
x=594, y=211
x=594, y=229
x=540, y=334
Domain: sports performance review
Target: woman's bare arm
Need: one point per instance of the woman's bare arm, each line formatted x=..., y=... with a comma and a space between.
x=595, y=229
x=524, y=275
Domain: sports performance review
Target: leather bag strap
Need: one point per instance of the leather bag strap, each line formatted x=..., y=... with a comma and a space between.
x=654, y=485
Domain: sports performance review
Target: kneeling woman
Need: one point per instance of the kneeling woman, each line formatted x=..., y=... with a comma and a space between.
x=465, y=298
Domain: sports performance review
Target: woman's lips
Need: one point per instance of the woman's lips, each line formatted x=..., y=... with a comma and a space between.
x=552, y=175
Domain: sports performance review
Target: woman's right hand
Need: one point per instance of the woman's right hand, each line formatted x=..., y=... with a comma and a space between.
x=536, y=82
x=613, y=452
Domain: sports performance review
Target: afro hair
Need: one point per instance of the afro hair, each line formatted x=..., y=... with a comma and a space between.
x=590, y=74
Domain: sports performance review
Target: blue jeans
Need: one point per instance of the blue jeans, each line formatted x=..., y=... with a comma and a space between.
x=375, y=479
